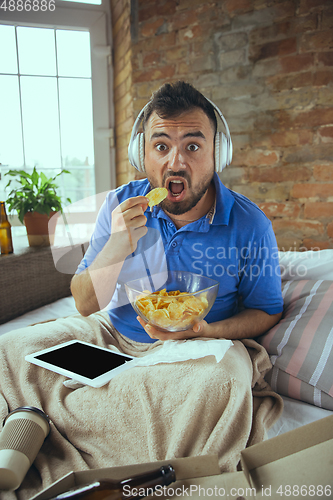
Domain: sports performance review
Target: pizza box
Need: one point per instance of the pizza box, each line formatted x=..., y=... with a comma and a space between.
x=186, y=469
x=298, y=463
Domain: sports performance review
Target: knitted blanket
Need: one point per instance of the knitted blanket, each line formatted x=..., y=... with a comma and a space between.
x=170, y=410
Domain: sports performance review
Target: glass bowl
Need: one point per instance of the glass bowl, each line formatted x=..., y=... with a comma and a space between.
x=181, y=299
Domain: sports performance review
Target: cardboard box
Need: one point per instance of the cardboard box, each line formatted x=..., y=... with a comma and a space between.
x=186, y=469
x=297, y=464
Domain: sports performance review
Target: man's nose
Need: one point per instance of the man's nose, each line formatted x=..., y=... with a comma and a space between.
x=177, y=161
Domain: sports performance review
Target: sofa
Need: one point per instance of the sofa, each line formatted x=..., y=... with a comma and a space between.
x=300, y=346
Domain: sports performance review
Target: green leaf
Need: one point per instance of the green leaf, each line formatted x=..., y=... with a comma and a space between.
x=33, y=192
x=43, y=178
x=35, y=177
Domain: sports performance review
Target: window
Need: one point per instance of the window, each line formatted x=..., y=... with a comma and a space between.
x=54, y=97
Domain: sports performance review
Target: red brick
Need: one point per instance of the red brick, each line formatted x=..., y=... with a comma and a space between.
x=239, y=6
x=313, y=118
x=322, y=40
x=176, y=53
x=317, y=210
x=190, y=33
x=150, y=28
x=283, y=10
x=167, y=8
x=184, y=19
x=326, y=134
x=283, y=29
x=305, y=137
x=183, y=68
x=145, y=12
x=152, y=59
x=278, y=174
x=304, y=23
x=287, y=209
x=323, y=172
x=285, y=139
x=154, y=74
x=322, y=78
x=282, y=82
x=158, y=42
x=298, y=228
x=256, y=157
x=298, y=62
x=269, y=33
x=312, y=190
x=306, y=5
x=287, y=243
x=330, y=229
x=315, y=245
x=327, y=19
x=326, y=58
x=273, y=49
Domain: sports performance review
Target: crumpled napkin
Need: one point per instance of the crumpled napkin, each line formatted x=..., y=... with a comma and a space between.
x=173, y=351
x=182, y=350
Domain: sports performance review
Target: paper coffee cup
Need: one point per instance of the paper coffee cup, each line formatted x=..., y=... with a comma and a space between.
x=21, y=438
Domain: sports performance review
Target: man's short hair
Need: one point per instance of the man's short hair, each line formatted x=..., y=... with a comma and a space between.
x=173, y=99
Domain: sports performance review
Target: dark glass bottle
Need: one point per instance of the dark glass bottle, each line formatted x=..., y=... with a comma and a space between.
x=138, y=486
x=6, y=243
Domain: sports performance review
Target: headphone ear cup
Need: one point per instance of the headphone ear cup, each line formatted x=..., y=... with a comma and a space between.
x=221, y=151
x=136, y=152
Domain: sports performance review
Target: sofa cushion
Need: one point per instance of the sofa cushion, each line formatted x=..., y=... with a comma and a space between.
x=300, y=345
x=309, y=265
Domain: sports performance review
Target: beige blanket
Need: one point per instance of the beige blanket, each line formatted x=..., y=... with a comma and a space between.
x=145, y=414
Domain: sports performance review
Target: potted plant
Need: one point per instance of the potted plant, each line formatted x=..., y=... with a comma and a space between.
x=35, y=199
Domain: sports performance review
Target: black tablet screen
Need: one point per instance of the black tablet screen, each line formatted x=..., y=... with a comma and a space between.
x=84, y=360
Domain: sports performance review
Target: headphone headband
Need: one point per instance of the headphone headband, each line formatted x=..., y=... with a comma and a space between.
x=222, y=144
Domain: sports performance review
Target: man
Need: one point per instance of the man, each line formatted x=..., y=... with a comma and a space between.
x=171, y=409
x=204, y=227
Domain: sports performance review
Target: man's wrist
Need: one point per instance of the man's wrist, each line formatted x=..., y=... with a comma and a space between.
x=213, y=330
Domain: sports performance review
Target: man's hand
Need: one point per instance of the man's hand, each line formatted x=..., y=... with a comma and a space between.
x=247, y=324
x=128, y=224
x=93, y=288
x=198, y=330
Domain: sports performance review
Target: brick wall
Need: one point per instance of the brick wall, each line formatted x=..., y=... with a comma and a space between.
x=123, y=101
x=268, y=65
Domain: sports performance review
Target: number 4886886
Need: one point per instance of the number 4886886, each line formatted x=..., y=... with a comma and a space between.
x=27, y=5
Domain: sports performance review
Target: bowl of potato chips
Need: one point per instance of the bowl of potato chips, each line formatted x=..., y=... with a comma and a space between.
x=181, y=299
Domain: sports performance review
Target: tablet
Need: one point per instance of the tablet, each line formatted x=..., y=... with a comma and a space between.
x=86, y=363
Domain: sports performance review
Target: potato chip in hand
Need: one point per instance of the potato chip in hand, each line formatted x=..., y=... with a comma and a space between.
x=155, y=196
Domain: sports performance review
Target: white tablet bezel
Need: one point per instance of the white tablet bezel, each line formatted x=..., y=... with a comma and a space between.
x=95, y=382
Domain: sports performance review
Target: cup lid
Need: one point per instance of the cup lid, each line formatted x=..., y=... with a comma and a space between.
x=29, y=408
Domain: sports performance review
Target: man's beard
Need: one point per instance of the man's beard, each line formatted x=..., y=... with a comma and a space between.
x=179, y=208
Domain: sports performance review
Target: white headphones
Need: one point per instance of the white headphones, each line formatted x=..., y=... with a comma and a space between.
x=223, y=144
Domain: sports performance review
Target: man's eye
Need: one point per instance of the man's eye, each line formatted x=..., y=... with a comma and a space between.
x=193, y=147
x=161, y=147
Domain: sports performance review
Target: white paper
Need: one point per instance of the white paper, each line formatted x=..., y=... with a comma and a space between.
x=182, y=350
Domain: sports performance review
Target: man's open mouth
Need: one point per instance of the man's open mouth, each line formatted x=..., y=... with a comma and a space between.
x=176, y=187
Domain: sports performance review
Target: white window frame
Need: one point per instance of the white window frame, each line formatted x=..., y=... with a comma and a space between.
x=96, y=19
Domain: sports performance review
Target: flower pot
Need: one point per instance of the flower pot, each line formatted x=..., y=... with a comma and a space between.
x=40, y=232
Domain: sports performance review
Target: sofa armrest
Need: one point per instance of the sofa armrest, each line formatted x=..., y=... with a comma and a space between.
x=29, y=280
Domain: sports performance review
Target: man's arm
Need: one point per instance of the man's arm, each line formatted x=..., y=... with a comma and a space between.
x=93, y=288
x=248, y=323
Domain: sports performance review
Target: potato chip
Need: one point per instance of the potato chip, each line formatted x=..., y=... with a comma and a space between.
x=165, y=309
x=155, y=196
